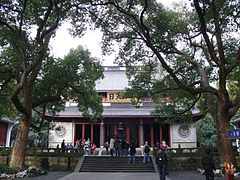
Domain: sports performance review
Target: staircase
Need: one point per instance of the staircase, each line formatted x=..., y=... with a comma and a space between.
x=114, y=164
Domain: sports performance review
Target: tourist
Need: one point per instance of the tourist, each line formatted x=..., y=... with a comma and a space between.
x=87, y=149
x=146, y=151
x=106, y=145
x=93, y=149
x=111, y=146
x=161, y=161
x=88, y=142
x=123, y=148
x=76, y=147
x=126, y=148
x=164, y=145
x=117, y=147
x=57, y=148
x=70, y=147
x=63, y=146
x=132, y=152
x=157, y=146
x=208, y=165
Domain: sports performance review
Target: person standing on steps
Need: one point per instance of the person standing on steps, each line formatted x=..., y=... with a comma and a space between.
x=117, y=147
x=132, y=152
x=106, y=145
x=111, y=146
x=161, y=161
x=146, y=151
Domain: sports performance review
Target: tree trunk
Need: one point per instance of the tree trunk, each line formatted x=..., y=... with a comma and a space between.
x=224, y=144
x=20, y=144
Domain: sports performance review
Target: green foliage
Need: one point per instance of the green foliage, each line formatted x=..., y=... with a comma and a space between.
x=78, y=72
x=206, y=132
x=7, y=170
x=30, y=78
x=38, y=133
x=86, y=71
x=25, y=31
x=176, y=57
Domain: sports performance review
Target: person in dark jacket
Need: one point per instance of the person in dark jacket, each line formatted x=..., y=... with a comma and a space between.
x=161, y=161
x=208, y=165
x=63, y=146
x=132, y=152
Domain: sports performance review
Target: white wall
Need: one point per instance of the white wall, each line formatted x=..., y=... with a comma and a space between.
x=68, y=136
x=186, y=139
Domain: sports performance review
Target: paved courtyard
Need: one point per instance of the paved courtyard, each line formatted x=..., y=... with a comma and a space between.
x=176, y=175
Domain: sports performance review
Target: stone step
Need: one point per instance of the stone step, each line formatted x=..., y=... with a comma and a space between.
x=114, y=164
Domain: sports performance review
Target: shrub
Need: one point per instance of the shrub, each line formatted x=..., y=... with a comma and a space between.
x=7, y=170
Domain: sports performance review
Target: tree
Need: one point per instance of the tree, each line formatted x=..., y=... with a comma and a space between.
x=206, y=132
x=190, y=54
x=30, y=78
x=38, y=131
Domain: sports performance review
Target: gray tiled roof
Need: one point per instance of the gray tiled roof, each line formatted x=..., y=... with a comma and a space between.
x=115, y=79
x=116, y=109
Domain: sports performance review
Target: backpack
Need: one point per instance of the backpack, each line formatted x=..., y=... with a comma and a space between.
x=146, y=149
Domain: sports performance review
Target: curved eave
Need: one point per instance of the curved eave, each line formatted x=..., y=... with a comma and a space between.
x=6, y=120
x=195, y=117
x=236, y=119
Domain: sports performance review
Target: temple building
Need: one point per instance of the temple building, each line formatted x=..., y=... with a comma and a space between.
x=120, y=118
x=5, y=131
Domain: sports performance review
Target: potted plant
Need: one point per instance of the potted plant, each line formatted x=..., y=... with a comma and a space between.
x=229, y=170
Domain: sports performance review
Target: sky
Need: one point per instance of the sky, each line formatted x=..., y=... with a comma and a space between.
x=63, y=41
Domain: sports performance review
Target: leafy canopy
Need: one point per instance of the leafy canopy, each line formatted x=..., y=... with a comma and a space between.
x=190, y=54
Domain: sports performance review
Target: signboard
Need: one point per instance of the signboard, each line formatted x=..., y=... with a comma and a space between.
x=117, y=97
x=234, y=134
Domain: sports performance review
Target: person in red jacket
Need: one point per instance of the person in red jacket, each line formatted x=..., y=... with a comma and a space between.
x=93, y=149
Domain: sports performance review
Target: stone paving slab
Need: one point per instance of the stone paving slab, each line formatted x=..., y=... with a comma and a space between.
x=113, y=176
x=189, y=175
x=174, y=175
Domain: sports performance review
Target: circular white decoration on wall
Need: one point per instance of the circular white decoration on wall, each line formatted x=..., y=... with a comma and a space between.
x=184, y=131
x=60, y=131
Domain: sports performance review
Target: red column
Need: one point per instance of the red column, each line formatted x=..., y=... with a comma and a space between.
x=115, y=130
x=83, y=132
x=92, y=133
x=152, y=134
x=128, y=134
x=160, y=136
x=102, y=134
x=141, y=133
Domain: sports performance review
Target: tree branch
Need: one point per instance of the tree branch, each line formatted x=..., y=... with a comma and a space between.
x=15, y=93
x=203, y=30
x=191, y=106
x=44, y=100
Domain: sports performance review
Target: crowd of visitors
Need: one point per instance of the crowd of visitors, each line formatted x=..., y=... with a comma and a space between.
x=88, y=147
x=117, y=147
x=123, y=148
